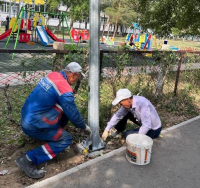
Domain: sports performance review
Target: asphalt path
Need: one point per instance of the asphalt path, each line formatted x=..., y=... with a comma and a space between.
x=175, y=163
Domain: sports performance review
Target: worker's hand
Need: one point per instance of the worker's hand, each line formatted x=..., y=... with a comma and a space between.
x=104, y=135
x=88, y=131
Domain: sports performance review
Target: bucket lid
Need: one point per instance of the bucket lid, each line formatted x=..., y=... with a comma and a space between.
x=139, y=140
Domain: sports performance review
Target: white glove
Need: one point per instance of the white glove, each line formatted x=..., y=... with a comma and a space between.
x=104, y=135
x=88, y=131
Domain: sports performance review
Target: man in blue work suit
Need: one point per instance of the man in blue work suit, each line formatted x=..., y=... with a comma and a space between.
x=137, y=109
x=44, y=115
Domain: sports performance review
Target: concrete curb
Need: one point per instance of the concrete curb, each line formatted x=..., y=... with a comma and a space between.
x=180, y=125
x=48, y=181
x=75, y=169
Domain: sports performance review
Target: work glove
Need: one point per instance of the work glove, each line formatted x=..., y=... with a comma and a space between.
x=88, y=131
x=104, y=135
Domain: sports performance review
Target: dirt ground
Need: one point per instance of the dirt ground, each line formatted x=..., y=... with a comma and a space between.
x=68, y=159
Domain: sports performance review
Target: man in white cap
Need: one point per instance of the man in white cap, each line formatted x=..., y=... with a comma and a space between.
x=139, y=110
x=44, y=115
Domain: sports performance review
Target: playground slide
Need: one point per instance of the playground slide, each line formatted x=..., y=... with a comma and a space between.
x=5, y=34
x=53, y=36
x=43, y=36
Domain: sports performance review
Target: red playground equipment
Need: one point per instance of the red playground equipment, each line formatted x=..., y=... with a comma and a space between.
x=23, y=35
x=80, y=36
x=75, y=33
x=25, y=25
x=84, y=35
x=5, y=34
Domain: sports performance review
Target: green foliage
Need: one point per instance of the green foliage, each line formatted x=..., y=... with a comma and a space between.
x=125, y=14
x=21, y=142
x=181, y=105
x=163, y=15
x=76, y=9
x=175, y=31
x=79, y=55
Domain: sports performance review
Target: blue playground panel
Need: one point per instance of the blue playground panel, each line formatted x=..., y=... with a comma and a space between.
x=45, y=35
x=138, y=39
x=128, y=37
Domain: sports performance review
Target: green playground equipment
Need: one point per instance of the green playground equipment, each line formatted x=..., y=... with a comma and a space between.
x=19, y=20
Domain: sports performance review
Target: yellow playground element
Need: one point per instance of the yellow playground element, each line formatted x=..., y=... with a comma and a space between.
x=154, y=42
x=41, y=2
x=111, y=39
x=138, y=45
x=38, y=18
x=142, y=38
x=11, y=24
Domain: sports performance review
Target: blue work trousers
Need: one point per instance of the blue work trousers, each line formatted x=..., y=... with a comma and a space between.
x=57, y=140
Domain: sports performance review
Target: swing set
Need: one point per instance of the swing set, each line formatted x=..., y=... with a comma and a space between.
x=29, y=20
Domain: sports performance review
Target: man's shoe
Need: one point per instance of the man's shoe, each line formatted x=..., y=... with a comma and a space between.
x=29, y=167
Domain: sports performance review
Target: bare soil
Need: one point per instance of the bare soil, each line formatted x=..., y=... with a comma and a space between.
x=68, y=159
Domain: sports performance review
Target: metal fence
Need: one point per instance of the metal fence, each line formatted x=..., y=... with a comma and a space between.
x=170, y=80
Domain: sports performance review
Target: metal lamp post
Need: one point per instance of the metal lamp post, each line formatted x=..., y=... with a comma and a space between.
x=94, y=68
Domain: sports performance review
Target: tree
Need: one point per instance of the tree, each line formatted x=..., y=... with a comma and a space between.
x=163, y=15
x=120, y=13
x=80, y=11
x=76, y=9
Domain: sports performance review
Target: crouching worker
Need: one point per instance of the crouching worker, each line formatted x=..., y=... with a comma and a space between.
x=137, y=109
x=44, y=115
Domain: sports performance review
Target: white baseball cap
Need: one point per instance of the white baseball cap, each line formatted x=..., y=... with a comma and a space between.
x=74, y=67
x=121, y=95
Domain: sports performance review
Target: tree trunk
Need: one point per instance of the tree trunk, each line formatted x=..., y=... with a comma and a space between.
x=116, y=23
x=85, y=24
x=163, y=70
x=104, y=30
x=121, y=29
x=71, y=23
x=60, y=21
x=108, y=29
x=79, y=24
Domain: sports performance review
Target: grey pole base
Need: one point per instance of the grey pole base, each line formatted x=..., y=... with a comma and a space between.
x=93, y=147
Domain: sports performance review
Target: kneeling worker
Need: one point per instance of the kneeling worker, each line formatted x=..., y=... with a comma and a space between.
x=139, y=110
x=44, y=115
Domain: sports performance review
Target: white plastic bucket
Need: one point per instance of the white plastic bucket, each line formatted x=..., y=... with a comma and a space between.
x=138, y=150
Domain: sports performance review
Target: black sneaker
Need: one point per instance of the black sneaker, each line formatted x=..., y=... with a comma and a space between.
x=29, y=167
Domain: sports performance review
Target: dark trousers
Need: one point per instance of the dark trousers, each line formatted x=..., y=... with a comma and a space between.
x=57, y=139
x=121, y=126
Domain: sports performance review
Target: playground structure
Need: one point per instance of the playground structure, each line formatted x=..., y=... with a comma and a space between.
x=140, y=41
x=107, y=40
x=80, y=35
x=29, y=22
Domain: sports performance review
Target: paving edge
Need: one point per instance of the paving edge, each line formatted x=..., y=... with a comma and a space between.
x=179, y=125
x=57, y=177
